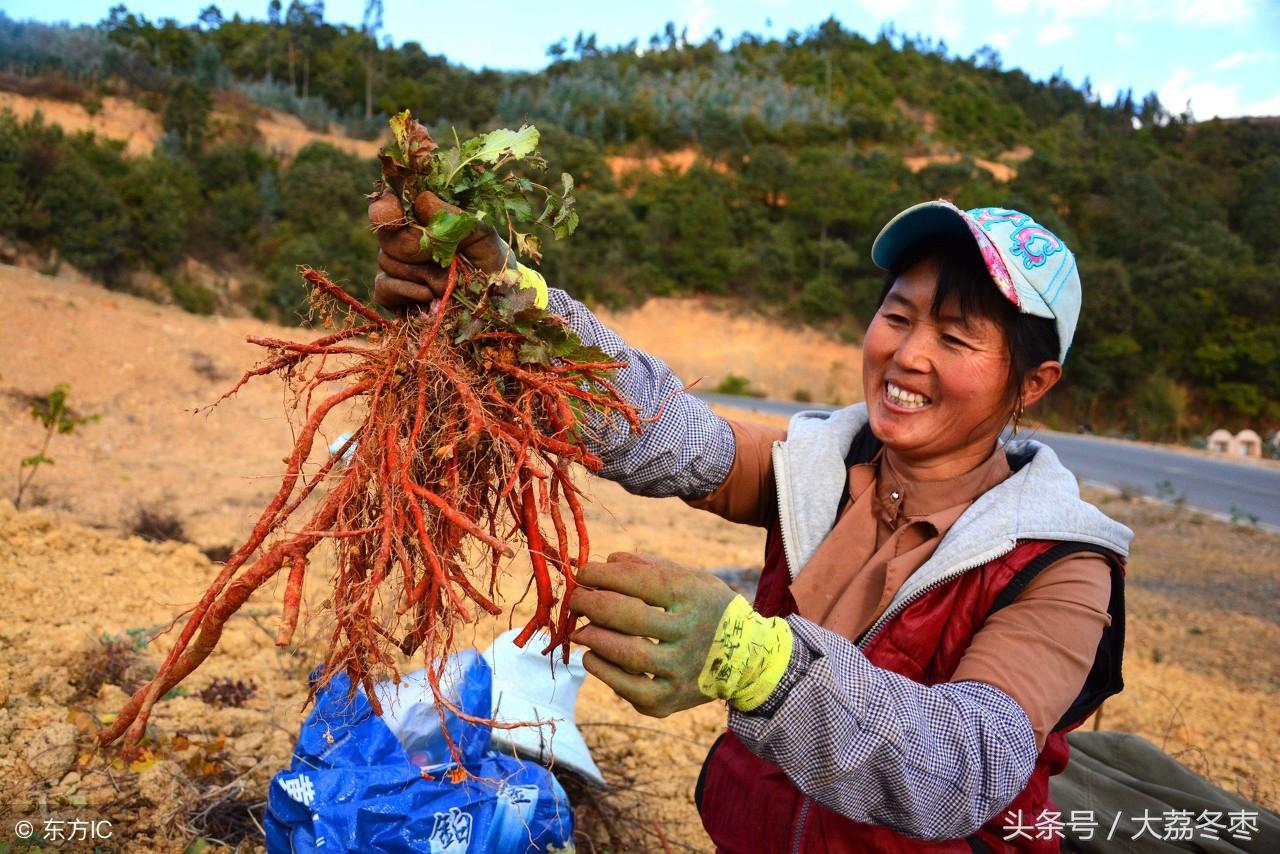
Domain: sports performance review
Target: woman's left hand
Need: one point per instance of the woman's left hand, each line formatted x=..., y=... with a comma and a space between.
x=631, y=599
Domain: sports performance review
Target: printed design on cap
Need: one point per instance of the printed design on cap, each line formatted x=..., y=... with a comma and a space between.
x=1034, y=245
x=987, y=217
x=991, y=257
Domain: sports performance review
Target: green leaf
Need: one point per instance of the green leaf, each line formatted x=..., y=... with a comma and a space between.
x=520, y=208
x=534, y=353
x=567, y=180
x=36, y=460
x=516, y=303
x=565, y=225
x=467, y=330
x=503, y=142
x=445, y=231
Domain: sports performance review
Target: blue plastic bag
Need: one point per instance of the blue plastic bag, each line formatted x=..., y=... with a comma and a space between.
x=351, y=786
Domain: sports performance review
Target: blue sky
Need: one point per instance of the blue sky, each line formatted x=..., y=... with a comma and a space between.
x=1221, y=55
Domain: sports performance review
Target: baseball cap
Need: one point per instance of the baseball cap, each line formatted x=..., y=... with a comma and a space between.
x=1030, y=265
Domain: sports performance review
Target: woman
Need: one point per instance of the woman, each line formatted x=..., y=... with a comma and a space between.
x=936, y=608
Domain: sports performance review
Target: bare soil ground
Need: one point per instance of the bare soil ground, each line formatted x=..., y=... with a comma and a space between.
x=82, y=594
x=140, y=129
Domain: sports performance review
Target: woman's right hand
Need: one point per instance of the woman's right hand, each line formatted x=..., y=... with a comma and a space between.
x=408, y=276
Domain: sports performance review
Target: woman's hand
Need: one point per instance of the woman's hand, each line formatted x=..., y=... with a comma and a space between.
x=407, y=275
x=631, y=599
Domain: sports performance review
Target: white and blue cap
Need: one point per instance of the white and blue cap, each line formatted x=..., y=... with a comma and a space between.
x=1030, y=264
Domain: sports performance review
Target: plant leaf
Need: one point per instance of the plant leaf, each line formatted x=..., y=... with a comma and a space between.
x=529, y=245
x=400, y=127
x=533, y=352
x=445, y=231
x=501, y=142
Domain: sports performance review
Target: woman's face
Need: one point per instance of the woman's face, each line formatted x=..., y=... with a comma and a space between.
x=937, y=387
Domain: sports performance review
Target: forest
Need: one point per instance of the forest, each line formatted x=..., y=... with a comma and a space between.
x=805, y=145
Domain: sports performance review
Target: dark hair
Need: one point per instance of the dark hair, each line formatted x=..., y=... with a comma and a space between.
x=1029, y=340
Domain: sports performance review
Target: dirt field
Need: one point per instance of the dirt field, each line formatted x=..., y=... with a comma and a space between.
x=140, y=129
x=82, y=593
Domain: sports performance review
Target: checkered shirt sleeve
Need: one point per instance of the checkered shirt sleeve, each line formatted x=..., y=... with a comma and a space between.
x=934, y=762
x=686, y=451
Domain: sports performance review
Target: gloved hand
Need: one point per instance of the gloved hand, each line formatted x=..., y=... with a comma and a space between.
x=408, y=276
x=635, y=599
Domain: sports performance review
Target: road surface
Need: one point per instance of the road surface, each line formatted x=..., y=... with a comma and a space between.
x=1224, y=487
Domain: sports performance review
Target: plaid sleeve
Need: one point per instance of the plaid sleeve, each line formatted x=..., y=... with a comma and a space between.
x=934, y=762
x=684, y=449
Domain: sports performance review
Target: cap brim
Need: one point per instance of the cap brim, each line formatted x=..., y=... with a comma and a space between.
x=916, y=223
x=931, y=220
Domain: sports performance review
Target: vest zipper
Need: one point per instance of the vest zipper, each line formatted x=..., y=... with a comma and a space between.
x=797, y=841
x=797, y=838
x=784, y=517
x=890, y=613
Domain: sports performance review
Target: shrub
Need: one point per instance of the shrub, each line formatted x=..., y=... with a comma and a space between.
x=194, y=298
x=1159, y=409
x=157, y=526
x=737, y=385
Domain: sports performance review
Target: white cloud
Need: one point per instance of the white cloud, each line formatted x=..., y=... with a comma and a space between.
x=1205, y=98
x=1201, y=12
x=1002, y=41
x=1242, y=57
x=1268, y=107
x=940, y=19
x=697, y=17
x=1055, y=32
x=1125, y=39
x=1184, y=12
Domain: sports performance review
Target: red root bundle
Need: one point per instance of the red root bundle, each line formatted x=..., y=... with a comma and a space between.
x=462, y=442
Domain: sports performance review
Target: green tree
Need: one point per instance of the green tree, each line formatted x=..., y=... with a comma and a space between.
x=186, y=115
x=56, y=417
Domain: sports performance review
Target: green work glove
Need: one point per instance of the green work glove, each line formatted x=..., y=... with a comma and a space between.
x=408, y=277
x=631, y=599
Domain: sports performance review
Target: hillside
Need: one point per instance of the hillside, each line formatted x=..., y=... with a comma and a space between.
x=141, y=130
x=153, y=450
x=757, y=170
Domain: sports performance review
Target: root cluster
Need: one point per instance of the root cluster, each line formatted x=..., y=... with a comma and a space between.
x=465, y=445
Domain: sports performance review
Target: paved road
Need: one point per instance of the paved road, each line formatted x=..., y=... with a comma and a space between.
x=1220, y=486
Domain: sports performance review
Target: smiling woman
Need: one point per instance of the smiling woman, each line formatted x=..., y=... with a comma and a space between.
x=935, y=611
x=935, y=354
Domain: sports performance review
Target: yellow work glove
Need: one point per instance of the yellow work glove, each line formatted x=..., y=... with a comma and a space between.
x=748, y=656
x=533, y=279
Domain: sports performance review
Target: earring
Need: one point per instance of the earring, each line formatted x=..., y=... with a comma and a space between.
x=1017, y=420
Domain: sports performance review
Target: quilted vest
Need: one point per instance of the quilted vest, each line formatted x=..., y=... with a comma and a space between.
x=749, y=805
